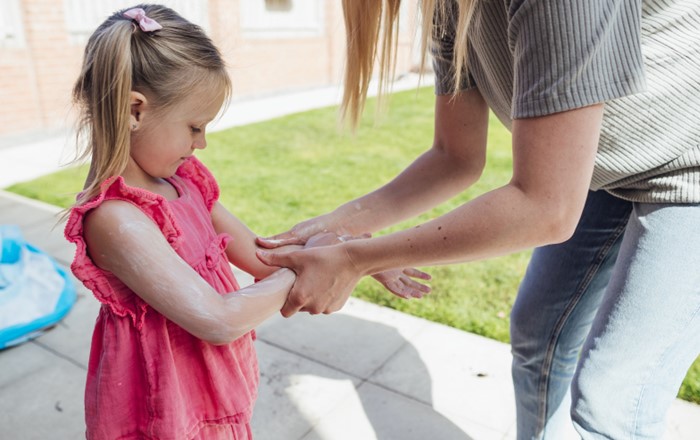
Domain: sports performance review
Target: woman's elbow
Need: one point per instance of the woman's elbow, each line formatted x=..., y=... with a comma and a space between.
x=457, y=160
x=474, y=168
x=561, y=233
x=468, y=169
x=561, y=223
x=551, y=217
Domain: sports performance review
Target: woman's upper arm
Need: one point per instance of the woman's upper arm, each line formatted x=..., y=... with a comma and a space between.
x=461, y=127
x=553, y=159
x=124, y=241
x=558, y=92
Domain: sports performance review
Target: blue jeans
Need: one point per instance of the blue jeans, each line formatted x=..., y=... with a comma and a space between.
x=606, y=325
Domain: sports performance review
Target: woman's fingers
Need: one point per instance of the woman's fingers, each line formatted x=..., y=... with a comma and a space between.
x=279, y=240
x=324, y=281
x=323, y=239
x=415, y=273
x=414, y=288
x=272, y=259
x=299, y=234
x=402, y=284
x=398, y=288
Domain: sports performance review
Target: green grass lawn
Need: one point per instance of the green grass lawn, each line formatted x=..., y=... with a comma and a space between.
x=276, y=173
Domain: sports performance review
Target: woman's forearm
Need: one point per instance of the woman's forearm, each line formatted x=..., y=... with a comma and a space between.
x=431, y=179
x=454, y=163
x=500, y=222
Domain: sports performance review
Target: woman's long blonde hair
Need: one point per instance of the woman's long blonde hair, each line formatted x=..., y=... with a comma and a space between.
x=164, y=65
x=372, y=27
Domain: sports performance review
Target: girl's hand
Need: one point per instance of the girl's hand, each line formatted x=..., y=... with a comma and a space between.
x=400, y=282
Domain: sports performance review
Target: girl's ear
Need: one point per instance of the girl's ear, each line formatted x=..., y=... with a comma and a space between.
x=137, y=102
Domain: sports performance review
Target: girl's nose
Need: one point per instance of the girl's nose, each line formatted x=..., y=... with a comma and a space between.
x=200, y=142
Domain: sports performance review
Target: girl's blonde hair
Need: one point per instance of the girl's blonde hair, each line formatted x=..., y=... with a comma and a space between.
x=371, y=28
x=164, y=65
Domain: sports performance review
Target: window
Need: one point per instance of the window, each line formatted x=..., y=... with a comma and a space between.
x=281, y=18
x=11, y=29
x=83, y=16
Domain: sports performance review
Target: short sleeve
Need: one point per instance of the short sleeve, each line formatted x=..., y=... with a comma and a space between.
x=572, y=54
x=199, y=175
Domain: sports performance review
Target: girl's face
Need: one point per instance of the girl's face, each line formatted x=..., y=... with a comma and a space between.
x=162, y=142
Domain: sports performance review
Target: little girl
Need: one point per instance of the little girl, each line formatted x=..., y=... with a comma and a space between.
x=172, y=353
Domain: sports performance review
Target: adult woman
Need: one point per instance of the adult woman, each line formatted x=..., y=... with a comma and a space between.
x=606, y=181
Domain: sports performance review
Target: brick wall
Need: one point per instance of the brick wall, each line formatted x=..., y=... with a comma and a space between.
x=55, y=60
x=18, y=93
x=37, y=75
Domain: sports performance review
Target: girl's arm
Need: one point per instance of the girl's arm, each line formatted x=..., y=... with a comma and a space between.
x=454, y=162
x=241, y=252
x=553, y=158
x=121, y=239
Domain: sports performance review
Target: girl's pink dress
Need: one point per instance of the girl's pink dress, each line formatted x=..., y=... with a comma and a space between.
x=147, y=377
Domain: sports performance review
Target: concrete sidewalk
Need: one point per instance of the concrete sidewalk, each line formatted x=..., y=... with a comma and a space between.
x=364, y=373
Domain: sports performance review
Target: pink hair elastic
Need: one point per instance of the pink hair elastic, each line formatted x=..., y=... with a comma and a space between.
x=139, y=16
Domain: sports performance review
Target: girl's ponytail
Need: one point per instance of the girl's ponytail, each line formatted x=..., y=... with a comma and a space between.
x=103, y=92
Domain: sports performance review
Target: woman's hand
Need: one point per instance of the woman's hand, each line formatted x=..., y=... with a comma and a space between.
x=328, y=238
x=302, y=232
x=325, y=278
x=400, y=282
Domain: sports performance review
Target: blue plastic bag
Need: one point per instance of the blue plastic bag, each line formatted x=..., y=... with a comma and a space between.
x=35, y=293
